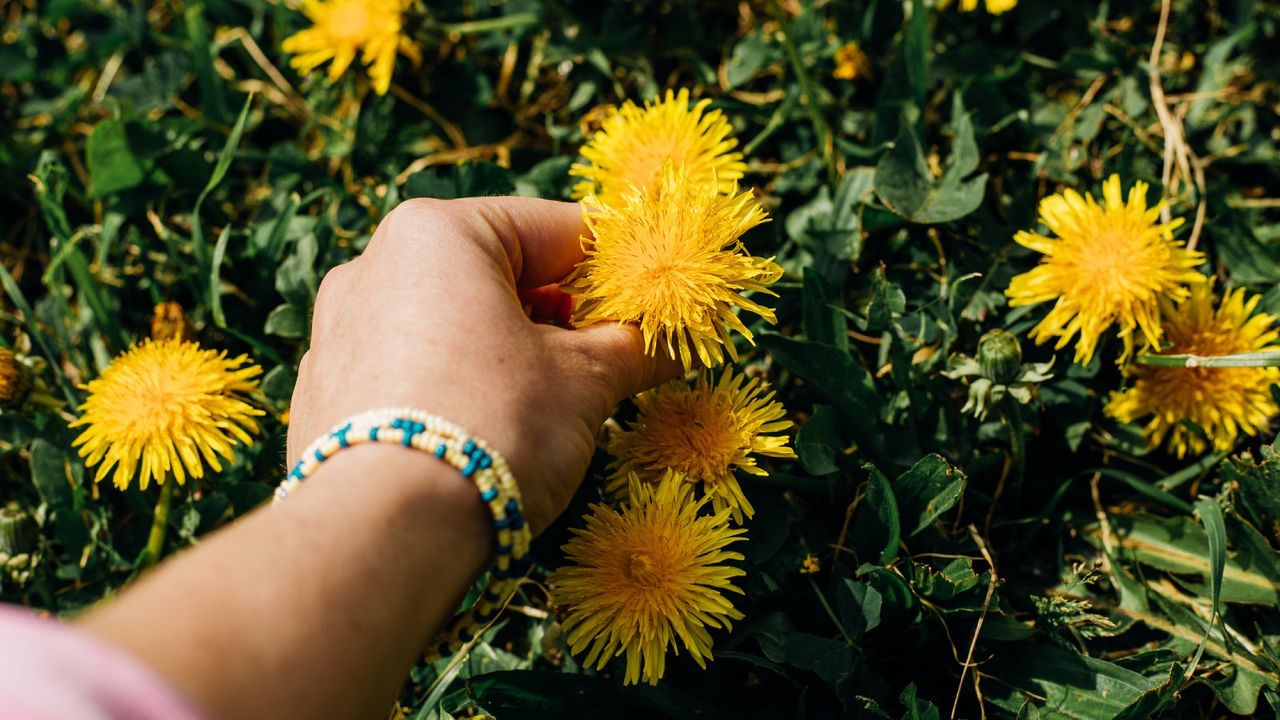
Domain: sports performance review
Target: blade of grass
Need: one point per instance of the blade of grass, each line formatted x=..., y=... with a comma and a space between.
x=1268, y=358
x=215, y=278
x=1142, y=487
x=1216, y=530
x=219, y=172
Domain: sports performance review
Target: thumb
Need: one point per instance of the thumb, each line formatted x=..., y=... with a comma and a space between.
x=617, y=354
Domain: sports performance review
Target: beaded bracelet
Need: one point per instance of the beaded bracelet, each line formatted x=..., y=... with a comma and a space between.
x=477, y=462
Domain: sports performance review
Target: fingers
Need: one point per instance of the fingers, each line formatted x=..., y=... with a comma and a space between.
x=540, y=238
x=615, y=355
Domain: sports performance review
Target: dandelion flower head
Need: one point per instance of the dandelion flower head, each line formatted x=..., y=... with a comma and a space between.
x=166, y=406
x=673, y=263
x=633, y=145
x=1110, y=264
x=648, y=576
x=851, y=62
x=1224, y=402
x=995, y=7
x=341, y=29
x=13, y=381
x=704, y=431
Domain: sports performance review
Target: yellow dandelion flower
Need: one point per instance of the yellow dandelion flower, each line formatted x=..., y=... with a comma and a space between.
x=1110, y=264
x=851, y=62
x=995, y=7
x=633, y=145
x=673, y=262
x=705, y=432
x=163, y=405
x=342, y=28
x=647, y=576
x=811, y=565
x=1224, y=402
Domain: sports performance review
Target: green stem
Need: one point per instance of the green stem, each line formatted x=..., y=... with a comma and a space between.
x=507, y=22
x=832, y=614
x=159, y=523
x=808, y=95
x=1267, y=358
x=1017, y=439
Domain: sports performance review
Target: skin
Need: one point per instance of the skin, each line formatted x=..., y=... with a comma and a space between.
x=319, y=606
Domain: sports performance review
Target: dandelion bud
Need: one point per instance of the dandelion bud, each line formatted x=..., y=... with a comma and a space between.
x=1000, y=356
x=15, y=384
x=168, y=322
x=17, y=531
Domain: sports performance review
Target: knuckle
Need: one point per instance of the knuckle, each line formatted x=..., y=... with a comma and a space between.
x=409, y=220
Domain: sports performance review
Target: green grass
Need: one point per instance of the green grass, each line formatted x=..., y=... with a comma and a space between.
x=167, y=152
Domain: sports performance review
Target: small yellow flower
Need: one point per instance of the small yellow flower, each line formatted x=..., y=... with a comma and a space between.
x=1110, y=264
x=1224, y=402
x=995, y=7
x=673, y=262
x=705, y=432
x=633, y=145
x=343, y=28
x=164, y=405
x=851, y=62
x=650, y=575
x=810, y=565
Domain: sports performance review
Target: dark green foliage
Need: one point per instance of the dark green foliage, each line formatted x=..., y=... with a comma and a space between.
x=1040, y=562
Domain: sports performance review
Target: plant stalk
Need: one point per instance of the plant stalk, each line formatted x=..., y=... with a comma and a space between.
x=159, y=523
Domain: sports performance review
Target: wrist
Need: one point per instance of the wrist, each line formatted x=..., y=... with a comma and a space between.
x=419, y=493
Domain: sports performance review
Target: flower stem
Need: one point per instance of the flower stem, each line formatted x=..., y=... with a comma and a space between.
x=508, y=22
x=159, y=522
x=1017, y=439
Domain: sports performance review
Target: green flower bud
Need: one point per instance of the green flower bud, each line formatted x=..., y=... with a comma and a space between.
x=1000, y=356
x=17, y=531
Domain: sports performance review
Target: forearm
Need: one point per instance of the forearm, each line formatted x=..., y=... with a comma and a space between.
x=317, y=607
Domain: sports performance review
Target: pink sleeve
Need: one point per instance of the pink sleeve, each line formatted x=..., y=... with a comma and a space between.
x=50, y=670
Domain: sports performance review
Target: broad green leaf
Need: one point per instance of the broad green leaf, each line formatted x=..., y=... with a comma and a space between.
x=1061, y=683
x=113, y=166
x=877, y=530
x=859, y=606
x=931, y=487
x=840, y=379
x=1257, y=487
x=296, y=278
x=748, y=56
x=818, y=441
x=822, y=322
x=527, y=695
x=942, y=585
x=469, y=179
x=917, y=707
x=1178, y=545
x=906, y=186
x=49, y=473
x=279, y=381
x=888, y=302
x=832, y=660
x=286, y=321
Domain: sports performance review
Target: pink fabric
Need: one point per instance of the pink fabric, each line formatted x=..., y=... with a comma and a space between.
x=51, y=671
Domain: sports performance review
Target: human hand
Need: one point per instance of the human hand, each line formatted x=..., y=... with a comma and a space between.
x=428, y=317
